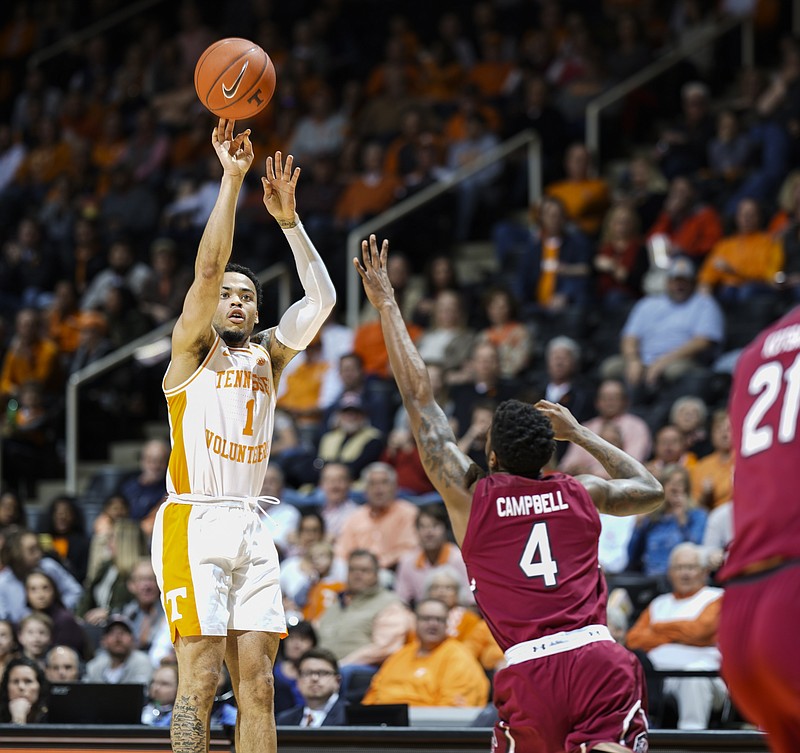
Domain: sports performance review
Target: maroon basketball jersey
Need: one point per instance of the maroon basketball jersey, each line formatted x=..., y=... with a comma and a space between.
x=764, y=402
x=531, y=555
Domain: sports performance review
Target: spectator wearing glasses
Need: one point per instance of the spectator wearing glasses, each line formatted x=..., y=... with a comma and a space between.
x=319, y=682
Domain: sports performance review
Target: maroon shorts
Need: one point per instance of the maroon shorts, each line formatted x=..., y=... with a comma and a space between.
x=557, y=704
x=761, y=653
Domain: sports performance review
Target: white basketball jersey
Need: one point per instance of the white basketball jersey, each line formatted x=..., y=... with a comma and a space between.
x=221, y=422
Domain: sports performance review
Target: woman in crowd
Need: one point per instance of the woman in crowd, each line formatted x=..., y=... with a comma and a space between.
x=9, y=648
x=23, y=693
x=63, y=522
x=43, y=596
x=677, y=520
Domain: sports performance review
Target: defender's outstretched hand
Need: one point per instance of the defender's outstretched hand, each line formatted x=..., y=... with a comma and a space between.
x=279, y=186
x=235, y=153
x=373, y=272
x=564, y=423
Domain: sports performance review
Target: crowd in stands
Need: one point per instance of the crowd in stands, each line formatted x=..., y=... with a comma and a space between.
x=625, y=294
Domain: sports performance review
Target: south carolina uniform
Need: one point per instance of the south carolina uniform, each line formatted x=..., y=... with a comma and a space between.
x=761, y=605
x=214, y=557
x=531, y=554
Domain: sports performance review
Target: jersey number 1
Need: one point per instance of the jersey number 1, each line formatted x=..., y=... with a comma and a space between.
x=248, y=426
x=536, y=560
x=766, y=383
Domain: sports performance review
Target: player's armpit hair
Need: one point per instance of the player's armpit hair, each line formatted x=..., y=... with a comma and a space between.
x=522, y=438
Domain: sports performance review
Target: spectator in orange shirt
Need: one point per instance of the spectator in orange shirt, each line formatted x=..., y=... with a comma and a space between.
x=743, y=266
x=584, y=196
x=491, y=73
x=690, y=227
x=371, y=348
x=712, y=476
x=372, y=192
x=30, y=357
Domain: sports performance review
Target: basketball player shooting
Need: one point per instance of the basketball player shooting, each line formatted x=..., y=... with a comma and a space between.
x=213, y=554
x=530, y=545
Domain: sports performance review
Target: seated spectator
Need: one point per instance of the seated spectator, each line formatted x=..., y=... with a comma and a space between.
x=585, y=197
x=432, y=670
x=682, y=146
x=676, y=521
x=62, y=664
x=43, y=597
x=669, y=448
x=164, y=300
x=611, y=402
x=326, y=583
x=643, y=188
x=319, y=682
x=690, y=414
x=367, y=622
x=444, y=583
x=448, y=340
x=108, y=592
x=123, y=269
x=743, y=266
x=300, y=637
x=434, y=551
x=35, y=635
x=473, y=441
x=161, y=694
x=145, y=489
x=319, y=133
x=730, y=154
x=384, y=524
x=12, y=512
x=678, y=631
x=21, y=554
x=24, y=691
x=564, y=384
x=334, y=497
x=689, y=227
x=144, y=611
x=511, y=337
x=712, y=475
x=621, y=260
x=481, y=381
x=667, y=341
x=402, y=454
x=64, y=319
x=114, y=508
x=718, y=535
x=63, y=522
x=30, y=357
x=352, y=440
x=119, y=662
x=554, y=265
x=9, y=648
x=439, y=275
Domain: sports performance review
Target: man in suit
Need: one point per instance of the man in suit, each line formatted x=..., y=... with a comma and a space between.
x=318, y=681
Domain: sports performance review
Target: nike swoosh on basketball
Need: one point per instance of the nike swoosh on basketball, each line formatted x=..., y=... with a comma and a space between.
x=231, y=93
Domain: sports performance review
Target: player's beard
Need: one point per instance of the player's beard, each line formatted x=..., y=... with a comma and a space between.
x=234, y=338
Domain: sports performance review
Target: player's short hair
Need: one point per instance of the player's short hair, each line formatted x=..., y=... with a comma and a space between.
x=522, y=438
x=247, y=272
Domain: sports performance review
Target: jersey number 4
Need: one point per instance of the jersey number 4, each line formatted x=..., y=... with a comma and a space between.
x=766, y=382
x=537, y=560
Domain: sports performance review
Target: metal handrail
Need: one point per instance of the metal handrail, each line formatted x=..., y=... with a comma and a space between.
x=73, y=40
x=657, y=67
x=527, y=138
x=279, y=272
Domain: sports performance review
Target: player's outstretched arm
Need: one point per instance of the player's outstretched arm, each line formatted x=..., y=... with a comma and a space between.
x=193, y=328
x=303, y=319
x=631, y=490
x=445, y=464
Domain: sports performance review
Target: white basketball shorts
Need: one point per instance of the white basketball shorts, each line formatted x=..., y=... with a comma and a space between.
x=217, y=568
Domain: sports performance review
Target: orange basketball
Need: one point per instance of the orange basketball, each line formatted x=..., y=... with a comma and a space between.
x=234, y=78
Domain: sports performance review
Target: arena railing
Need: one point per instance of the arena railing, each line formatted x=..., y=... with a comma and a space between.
x=596, y=106
x=528, y=140
x=278, y=274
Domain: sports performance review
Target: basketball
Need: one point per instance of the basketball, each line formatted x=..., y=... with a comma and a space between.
x=234, y=78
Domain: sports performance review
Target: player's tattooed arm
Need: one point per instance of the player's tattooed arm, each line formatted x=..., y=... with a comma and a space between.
x=188, y=730
x=631, y=490
x=279, y=353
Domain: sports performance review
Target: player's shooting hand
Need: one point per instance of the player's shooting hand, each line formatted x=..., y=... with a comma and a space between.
x=234, y=152
x=373, y=272
x=279, y=186
x=564, y=423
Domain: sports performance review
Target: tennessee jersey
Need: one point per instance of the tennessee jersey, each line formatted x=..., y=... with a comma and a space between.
x=221, y=422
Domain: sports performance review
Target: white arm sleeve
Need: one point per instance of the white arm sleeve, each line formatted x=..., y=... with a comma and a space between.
x=303, y=319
